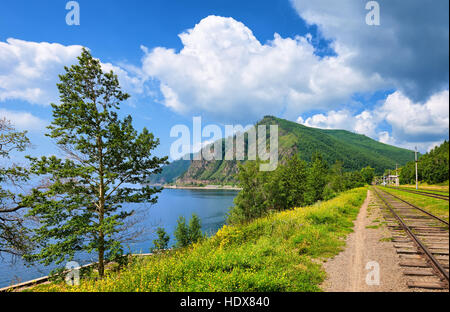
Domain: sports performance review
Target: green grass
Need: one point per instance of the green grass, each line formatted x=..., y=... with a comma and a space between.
x=430, y=191
x=278, y=253
x=435, y=206
x=424, y=187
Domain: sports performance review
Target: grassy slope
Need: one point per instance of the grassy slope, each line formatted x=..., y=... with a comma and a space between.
x=274, y=253
x=435, y=206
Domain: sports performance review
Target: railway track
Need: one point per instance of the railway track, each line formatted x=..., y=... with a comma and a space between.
x=422, y=241
x=434, y=195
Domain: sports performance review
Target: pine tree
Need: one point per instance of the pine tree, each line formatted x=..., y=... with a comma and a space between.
x=80, y=206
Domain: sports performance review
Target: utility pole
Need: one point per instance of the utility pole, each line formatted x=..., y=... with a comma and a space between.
x=417, y=175
x=396, y=176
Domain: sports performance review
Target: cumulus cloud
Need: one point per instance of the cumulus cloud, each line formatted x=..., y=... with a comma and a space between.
x=362, y=123
x=412, y=124
x=385, y=137
x=416, y=122
x=23, y=120
x=29, y=71
x=409, y=49
x=223, y=70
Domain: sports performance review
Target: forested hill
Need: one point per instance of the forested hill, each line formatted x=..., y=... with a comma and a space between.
x=432, y=167
x=171, y=172
x=355, y=151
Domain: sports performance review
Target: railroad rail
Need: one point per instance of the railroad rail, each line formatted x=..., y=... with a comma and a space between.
x=434, y=195
x=422, y=241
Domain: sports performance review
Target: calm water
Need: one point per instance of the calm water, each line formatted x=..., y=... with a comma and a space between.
x=210, y=205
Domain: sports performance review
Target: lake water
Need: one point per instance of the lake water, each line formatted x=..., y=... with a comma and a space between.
x=210, y=205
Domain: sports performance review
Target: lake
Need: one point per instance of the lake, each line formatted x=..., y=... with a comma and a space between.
x=210, y=205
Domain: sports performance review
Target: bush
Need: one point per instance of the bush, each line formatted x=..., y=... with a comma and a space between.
x=182, y=233
x=163, y=240
x=195, y=229
x=185, y=235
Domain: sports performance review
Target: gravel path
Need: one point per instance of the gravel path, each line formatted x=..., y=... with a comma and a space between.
x=368, y=243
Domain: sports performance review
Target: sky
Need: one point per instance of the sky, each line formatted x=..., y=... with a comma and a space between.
x=232, y=62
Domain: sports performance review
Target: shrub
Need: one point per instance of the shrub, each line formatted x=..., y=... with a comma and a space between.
x=163, y=240
x=186, y=235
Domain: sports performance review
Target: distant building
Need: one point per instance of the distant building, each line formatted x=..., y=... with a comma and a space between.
x=392, y=180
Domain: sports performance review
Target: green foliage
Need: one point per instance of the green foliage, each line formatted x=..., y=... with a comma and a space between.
x=14, y=236
x=287, y=185
x=182, y=233
x=251, y=201
x=293, y=184
x=368, y=173
x=275, y=253
x=317, y=179
x=80, y=205
x=163, y=240
x=339, y=181
x=187, y=235
x=195, y=229
x=433, y=167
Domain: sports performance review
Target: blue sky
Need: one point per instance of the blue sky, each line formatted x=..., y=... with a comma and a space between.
x=315, y=62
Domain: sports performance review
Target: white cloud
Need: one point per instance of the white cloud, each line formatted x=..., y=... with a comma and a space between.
x=417, y=122
x=333, y=120
x=409, y=48
x=223, y=70
x=363, y=123
x=385, y=137
x=412, y=124
x=29, y=71
x=23, y=120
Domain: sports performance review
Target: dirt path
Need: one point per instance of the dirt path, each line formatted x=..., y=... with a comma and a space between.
x=368, y=243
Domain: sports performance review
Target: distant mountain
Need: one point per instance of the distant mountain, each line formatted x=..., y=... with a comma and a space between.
x=171, y=172
x=355, y=151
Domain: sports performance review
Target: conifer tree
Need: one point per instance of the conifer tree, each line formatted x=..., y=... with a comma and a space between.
x=80, y=205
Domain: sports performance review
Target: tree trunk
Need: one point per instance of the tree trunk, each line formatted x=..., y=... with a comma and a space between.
x=101, y=256
x=101, y=236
